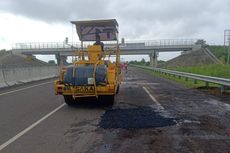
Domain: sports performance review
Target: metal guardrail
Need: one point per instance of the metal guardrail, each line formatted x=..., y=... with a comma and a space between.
x=208, y=79
x=129, y=44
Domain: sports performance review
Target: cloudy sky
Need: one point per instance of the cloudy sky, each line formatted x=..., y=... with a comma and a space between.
x=49, y=20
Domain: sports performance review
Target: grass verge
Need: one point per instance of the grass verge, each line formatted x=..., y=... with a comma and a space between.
x=189, y=83
x=222, y=71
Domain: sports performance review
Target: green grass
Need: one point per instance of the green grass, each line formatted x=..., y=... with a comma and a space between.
x=190, y=83
x=219, y=52
x=222, y=71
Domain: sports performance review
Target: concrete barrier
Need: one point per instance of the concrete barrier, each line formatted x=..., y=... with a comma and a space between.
x=10, y=75
x=2, y=80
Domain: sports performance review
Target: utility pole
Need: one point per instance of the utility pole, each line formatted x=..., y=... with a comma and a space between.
x=228, y=50
x=227, y=43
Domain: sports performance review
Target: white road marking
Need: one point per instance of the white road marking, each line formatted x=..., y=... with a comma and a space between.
x=153, y=98
x=5, y=93
x=141, y=83
x=158, y=107
x=29, y=128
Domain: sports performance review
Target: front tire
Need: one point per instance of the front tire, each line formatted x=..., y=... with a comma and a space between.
x=69, y=100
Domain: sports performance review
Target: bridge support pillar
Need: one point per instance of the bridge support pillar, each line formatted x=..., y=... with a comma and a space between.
x=153, y=59
x=61, y=60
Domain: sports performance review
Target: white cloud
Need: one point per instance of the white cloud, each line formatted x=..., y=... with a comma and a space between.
x=42, y=20
x=19, y=29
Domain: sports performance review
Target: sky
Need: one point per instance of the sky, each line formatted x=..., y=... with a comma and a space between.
x=49, y=20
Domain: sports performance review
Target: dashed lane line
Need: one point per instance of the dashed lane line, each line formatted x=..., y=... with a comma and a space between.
x=2, y=146
x=9, y=92
x=158, y=107
x=153, y=98
x=140, y=83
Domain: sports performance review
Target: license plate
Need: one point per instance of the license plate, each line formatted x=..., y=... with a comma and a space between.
x=85, y=89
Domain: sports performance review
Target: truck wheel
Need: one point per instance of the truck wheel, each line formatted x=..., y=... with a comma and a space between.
x=117, y=91
x=110, y=99
x=107, y=99
x=69, y=100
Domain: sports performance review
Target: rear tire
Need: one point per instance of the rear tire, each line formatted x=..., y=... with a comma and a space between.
x=106, y=99
x=69, y=100
x=117, y=91
x=109, y=99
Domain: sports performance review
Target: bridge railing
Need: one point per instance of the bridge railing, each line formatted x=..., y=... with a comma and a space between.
x=167, y=42
x=127, y=44
x=42, y=45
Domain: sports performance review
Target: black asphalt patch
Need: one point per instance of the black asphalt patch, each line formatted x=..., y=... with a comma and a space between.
x=135, y=118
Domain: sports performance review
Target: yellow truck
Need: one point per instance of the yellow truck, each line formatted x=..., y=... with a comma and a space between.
x=93, y=74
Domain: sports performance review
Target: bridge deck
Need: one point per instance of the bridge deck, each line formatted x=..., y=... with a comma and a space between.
x=137, y=47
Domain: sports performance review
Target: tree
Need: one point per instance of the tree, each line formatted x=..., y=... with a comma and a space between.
x=143, y=61
x=2, y=52
x=201, y=42
x=51, y=62
x=147, y=63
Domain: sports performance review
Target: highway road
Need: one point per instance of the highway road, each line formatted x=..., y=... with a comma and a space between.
x=150, y=114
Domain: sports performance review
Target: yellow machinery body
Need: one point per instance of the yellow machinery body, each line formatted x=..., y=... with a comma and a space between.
x=97, y=57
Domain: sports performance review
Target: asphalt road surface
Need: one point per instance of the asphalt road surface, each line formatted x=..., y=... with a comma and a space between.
x=150, y=114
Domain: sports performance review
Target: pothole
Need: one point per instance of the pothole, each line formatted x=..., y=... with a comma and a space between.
x=134, y=118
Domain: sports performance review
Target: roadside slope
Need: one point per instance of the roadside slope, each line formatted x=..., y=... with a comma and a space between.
x=192, y=58
x=12, y=59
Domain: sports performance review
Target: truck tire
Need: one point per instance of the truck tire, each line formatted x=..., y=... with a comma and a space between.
x=69, y=100
x=109, y=99
x=106, y=99
x=118, y=87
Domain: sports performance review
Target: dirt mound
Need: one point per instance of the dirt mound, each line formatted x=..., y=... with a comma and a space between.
x=193, y=58
x=12, y=59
